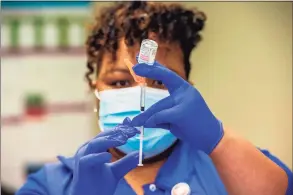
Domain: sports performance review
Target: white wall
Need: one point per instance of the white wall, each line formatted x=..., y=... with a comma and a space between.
x=60, y=79
x=56, y=75
x=243, y=68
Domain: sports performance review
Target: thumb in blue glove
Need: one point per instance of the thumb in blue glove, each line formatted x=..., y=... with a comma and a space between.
x=184, y=112
x=94, y=174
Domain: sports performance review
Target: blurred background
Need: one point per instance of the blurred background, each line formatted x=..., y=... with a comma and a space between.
x=243, y=68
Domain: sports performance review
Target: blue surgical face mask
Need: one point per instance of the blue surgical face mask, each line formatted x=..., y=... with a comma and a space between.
x=117, y=104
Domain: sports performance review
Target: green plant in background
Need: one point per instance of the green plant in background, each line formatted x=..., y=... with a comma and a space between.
x=35, y=105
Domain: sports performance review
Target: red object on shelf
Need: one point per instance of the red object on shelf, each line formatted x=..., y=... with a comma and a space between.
x=35, y=111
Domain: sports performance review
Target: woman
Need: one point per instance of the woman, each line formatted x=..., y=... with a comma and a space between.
x=187, y=150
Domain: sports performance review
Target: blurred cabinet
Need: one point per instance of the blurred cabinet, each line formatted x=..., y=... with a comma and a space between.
x=37, y=31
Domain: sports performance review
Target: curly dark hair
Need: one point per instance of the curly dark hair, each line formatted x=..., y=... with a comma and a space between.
x=133, y=21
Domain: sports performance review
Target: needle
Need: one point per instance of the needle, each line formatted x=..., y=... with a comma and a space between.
x=142, y=107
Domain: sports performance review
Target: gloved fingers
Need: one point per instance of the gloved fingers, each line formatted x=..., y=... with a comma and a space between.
x=158, y=72
x=94, y=160
x=121, y=129
x=162, y=126
x=102, y=144
x=163, y=118
x=118, y=137
x=104, y=133
x=125, y=164
x=157, y=107
x=126, y=121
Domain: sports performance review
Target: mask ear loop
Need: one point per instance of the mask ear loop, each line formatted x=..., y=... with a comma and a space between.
x=96, y=93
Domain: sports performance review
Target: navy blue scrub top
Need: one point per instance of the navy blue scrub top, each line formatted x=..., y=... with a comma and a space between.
x=56, y=178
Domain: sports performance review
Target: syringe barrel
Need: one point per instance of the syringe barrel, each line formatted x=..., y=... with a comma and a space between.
x=142, y=97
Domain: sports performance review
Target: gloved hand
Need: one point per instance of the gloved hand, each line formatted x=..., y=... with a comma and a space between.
x=184, y=112
x=94, y=174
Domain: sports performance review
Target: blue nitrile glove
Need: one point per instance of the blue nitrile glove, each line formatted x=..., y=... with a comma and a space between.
x=94, y=174
x=184, y=112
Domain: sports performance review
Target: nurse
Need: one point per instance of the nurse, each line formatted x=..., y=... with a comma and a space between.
x=187, y=149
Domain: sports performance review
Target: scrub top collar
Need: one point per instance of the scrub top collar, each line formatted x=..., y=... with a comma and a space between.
x=176, y=169
x=179, y=168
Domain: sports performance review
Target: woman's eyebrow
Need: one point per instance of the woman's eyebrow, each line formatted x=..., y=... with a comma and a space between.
x=126, y=70
x=122, y=70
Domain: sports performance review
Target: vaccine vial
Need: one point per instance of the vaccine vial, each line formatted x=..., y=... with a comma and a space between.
x=148, y=51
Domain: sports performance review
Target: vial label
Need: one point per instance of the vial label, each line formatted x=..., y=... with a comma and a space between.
x=147, y=53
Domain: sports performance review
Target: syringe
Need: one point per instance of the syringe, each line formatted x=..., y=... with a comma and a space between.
x=147, y=55
x=142, y=83
x=141, y=137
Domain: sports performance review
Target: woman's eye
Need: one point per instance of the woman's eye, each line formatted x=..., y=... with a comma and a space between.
x=122, y=83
